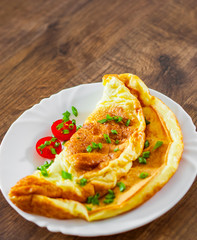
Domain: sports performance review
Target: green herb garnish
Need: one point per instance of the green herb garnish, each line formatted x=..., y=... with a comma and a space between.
x=100, y=145
x=114, y=131
x=71, y=126
x=78, y=127
x=44, y=171
x=109, y=118
x=44, y=167
x=109, y=198
x=116, y=149
x=143, y=175
x=42, y=146
x=56, y=144
x=146, y=144
x=118, y=119
x=53, y=139
x=64, y=142
x=147, y=122
x=94, y=146
x=65, y=131
x=47, y=143
x=74, y=110
x=107, y=139
x=66, y=116
x=88, y=208
x=117, y=141
x=108, y=201
x=146, y=154
x=83, y=182
x=121, y=186
x=66, y=175
x=158, y=144
x=142, y=160
x=127, y=122
x=53, y=151
x=94, y=199
x=102, y=121
x=74, y=121
x=89, y=148
x=59, y=126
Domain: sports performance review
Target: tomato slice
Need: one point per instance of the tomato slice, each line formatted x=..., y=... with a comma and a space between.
x=63, y=130
x=48, y=147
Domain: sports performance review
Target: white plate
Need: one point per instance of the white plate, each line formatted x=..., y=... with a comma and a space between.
x=18, y=159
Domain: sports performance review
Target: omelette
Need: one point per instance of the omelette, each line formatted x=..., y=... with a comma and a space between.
x=127, y=149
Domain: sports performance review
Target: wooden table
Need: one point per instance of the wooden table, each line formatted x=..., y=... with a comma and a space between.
x=46, y=46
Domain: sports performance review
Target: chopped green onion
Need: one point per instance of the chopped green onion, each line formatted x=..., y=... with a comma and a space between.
x=109, y=118
x=59, y=126
x=118, y=119
x=66, y=116
x=56, y=144
x=94, y=145
x=146, y=154
x=74, y=121
x=64, y=142
x=78, y=127
x=147, y=122
x=116, y=149
x=108, y=201
x=42, y=146
x=43, y=171
x=109, y=198
x=121, y=186
x=66, y=175
x=142, y=160
x=143, y=175
x=88, y=208
x=53, y=139
x=108, y=140
x=47, y=143
x=110, y=194
x=53, y=151
x=146, y=144
x=117, y=141
x=45, y=165
x=74, y=110
x=71, y=126
x=89, y=148
x=114, y=131
x=127, y=122
x=100, y=145
x=94, y=199
x=83, y=182
x=65, y=131
x=158, y=144
x=102, y=121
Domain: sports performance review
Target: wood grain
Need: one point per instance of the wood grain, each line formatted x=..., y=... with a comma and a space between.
x=46, y=46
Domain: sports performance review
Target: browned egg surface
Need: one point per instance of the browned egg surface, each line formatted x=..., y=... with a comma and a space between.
x=155, y=131
x=94, y=131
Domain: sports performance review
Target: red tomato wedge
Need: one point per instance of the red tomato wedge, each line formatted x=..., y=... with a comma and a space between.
x=48, y=147
x=63, y=130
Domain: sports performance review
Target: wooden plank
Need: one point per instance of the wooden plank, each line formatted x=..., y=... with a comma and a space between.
x=46, y=46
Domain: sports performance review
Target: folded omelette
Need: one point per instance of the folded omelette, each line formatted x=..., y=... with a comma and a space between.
x=136, y=145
